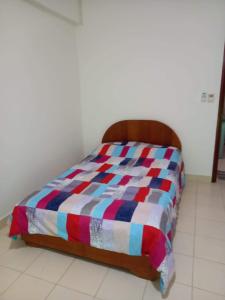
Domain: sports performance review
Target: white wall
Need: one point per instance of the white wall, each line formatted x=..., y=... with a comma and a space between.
x=67, y=8
x=152, y=59
x=40, y=126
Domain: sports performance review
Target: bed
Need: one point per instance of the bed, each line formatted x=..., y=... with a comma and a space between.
x=118, y=206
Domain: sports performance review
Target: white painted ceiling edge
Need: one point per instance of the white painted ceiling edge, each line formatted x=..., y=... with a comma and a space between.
x=69, y=10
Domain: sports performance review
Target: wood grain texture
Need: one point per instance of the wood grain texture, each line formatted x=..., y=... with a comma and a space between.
x=147, y=131
x=138, y=265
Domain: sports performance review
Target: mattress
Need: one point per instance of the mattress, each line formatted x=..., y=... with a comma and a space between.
x=123, y=197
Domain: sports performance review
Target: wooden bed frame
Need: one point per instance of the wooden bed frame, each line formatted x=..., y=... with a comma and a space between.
x=147, y=131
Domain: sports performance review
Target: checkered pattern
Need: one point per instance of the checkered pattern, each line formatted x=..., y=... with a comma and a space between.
x=121, y=198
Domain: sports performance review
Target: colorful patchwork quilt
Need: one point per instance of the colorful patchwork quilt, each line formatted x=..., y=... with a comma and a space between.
x=122, y=197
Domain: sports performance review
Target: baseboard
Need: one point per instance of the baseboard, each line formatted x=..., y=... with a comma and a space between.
x=198, y=178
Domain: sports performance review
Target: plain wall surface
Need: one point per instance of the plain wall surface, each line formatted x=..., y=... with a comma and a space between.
x=152, y=59
x=67, y=8
x=40, y=126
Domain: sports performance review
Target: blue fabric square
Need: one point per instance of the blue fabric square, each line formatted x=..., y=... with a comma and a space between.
x=172, y=166
x=135, y=244
x=126, y=211
x=155, y=183
x=59, y=199
x=139, y=162
x=66, y=173
x=99, y=177
x=96, y=158
x=131, y=152
x=175, y=156
x=125, y=161
x=117, y=151
x=61, y=225
x=160, y=153
x=164, y=173
x=33, y=201
x=165, y=200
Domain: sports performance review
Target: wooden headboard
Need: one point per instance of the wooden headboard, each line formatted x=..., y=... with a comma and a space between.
x=146, y=131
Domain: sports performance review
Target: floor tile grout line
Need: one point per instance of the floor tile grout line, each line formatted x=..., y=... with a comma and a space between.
x=194, y=235
x=51, y=290
x=20, y=275
x=183, y=254
x=182, y=283
x=203, y=218
x=56, y=283
x=4, y=291
x=72, y=289
x=12, y=269
x=50, y=282
x=208, y=291
x=36, y=277
x=202, y=258
x=45, y=280
x=210, y=261
x=194, y=255
x=101, y=283
x=22, y=271
x=75, y=290
x=188, y=233
x=145, y=288
x=42, y=279
x=221, y=194
x=209, y=237
x=195, y=223
x=70, y=264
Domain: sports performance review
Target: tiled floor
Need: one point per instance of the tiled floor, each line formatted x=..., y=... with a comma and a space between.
x=221, y=163
x=35, y=274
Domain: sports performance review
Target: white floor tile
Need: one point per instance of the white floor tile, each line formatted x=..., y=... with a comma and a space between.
x=4, y=244
x=210, y=228
x=7, y=276
x=84, y=276
x=177, y=291
x=4, y=231
x=203, y=295
x=186, y=224
x=27, y=288
x=183, y=266
x=61, y=293
x=82, y=279
x=209, y=248
x=208, y=190
x=19, y=258
x=209, y=276
x=187, y=209
x=188, y=198
x=120, y=285
x=183, y=243
x=221, y=164
x=7, y=243
x=190, y=186
x=212, y=202
x=50, y=265
x=210, y=213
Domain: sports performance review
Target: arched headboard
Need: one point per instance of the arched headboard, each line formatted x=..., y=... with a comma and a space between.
x=147, y=131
